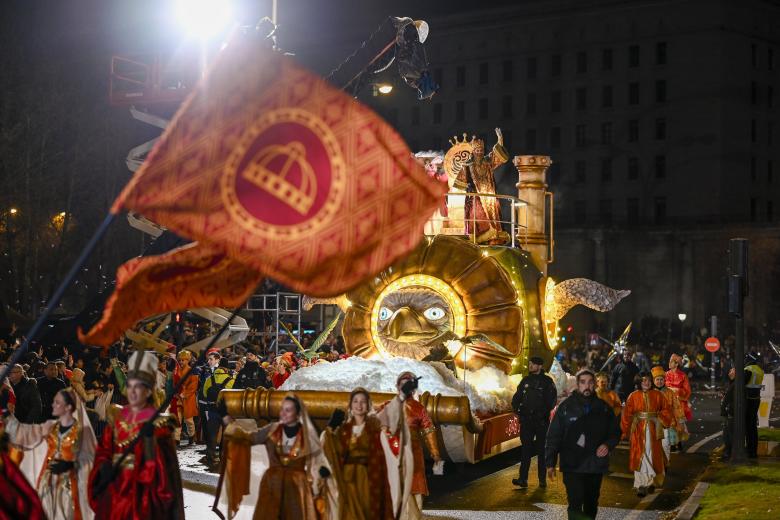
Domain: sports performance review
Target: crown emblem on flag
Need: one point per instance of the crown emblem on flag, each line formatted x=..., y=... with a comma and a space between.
x=272, y=170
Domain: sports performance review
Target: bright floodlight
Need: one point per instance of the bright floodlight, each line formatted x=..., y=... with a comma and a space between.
x=385, y=88
x=682, y=316
x=203, y=18
x=13, y=211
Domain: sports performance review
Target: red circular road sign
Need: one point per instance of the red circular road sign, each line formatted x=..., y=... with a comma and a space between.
x=712, y=344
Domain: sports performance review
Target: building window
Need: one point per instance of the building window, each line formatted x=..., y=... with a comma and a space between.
x=579, y=135
x=580, y=173
x=660, y=166
x=507, y=70
x=531, y=68
x=582, y=98
x=633, y=168
x=659, y=210
x=392, y=116
x=437, y=111
x=555, y=101
x=460, y=111
x=606, y=133
x=556, y=64
x=606, y=96
x=632, y=211
x=633, y=130
x=507, y=139
x=531, y=104
x=506, y=106
x=483, y=108
x=660, y=53
x=555, y=137
x=753, y=209
x=530, y=140
x=754, y=55
x=753, y=131
x=460, y=76
x=633, y=93
x=605, y=211
x=769, y=211
x=582, y=62
x=660, y=129
x=606, y=59
x=752, y=167
x=633, y=56
x=580, y=210
x=770, y=97
x=769, y=171
x=415, y=115
x=438, y=76
x=483, y=73
x=606, y=169
x=660, y=91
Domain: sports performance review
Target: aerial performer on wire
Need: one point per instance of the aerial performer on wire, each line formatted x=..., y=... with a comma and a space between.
x=67, y=445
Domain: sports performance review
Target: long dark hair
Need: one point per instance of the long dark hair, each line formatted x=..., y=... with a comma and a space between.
x=69, y=398
x=295, y=401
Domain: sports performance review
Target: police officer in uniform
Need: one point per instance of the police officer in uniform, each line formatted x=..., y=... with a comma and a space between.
x=218, y=380
x=754, y=380
x=533, y=401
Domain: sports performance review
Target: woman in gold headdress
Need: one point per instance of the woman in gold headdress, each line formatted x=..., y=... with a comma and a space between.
x=354, y=451
x=70, y=449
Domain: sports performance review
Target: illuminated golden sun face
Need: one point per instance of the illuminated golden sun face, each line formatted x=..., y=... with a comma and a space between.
x=412, y=317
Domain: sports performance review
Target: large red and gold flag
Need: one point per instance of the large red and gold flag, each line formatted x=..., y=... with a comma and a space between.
x=284, y=174
x=194, y=275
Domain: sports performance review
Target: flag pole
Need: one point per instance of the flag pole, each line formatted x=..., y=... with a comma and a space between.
x=54, y=301
x=130, y=447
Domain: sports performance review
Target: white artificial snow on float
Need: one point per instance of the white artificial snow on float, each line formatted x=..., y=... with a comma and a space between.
x=488, y=389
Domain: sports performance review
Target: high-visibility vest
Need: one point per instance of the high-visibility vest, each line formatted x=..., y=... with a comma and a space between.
x=756, y=376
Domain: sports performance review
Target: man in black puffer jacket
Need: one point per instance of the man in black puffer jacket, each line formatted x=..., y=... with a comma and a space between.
x=583, y=432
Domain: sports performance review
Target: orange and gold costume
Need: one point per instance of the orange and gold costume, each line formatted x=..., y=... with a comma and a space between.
x=148, y=485
x=59, y=493
x=677, y=381
x=358, y=465
x=611, y=398
x=286, y=489
x=646, y=413
x=420, y=428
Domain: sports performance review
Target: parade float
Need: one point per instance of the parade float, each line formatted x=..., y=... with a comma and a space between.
x=464, y=310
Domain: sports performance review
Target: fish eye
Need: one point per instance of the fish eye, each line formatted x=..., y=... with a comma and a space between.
x=385, y=313
x=434, y=313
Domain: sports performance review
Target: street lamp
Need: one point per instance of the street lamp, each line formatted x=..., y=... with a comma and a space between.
x=681, y=317
x=382, y=88
x=204, y=18
x=13, y=211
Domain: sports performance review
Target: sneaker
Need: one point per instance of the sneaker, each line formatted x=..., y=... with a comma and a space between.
x=520, y=483
x=641, y=492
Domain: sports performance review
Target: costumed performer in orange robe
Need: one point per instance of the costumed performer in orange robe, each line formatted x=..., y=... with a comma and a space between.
x=357, y=461
x=605, y=394
x=184, y=406
x=674, y=433
x=291, y=485
x=645, y=415
x=678, y=382
x=148, y=483
x=421, y=429
x=67, y=445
